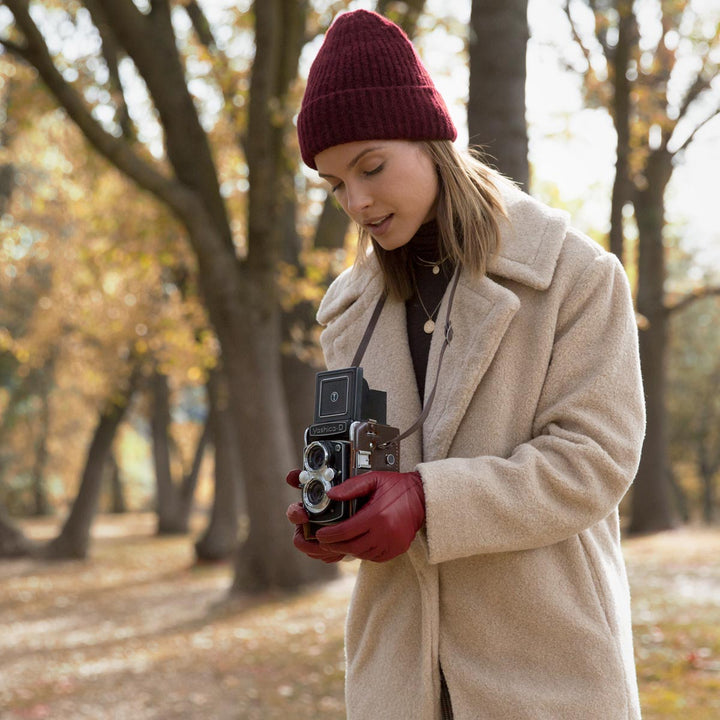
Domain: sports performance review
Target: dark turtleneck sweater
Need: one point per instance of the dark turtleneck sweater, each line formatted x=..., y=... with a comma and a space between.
x=424, y=250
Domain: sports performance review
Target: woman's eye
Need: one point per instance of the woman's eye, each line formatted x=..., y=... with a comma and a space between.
x=367, y=173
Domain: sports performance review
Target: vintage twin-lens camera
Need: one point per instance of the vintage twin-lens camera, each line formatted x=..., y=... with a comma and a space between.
x=348, y=437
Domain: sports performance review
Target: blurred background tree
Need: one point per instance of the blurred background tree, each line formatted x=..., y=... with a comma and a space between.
x=653, y=65
x=160, y=237
x=496, y=96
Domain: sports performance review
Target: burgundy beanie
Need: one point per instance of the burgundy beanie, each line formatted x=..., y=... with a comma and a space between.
x=368, y=83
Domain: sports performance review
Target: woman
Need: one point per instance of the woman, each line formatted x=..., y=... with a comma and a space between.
x=492, y=583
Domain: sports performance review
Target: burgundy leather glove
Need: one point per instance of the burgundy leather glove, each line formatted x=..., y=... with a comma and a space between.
x=297, y=515
x=386, y=524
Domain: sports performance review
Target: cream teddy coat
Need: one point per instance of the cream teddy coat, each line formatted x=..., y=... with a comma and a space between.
x=516, y=585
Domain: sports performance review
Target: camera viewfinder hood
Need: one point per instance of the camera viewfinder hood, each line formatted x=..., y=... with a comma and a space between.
x=345, y=396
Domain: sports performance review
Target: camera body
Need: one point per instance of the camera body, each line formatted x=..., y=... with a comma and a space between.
x=348, y=437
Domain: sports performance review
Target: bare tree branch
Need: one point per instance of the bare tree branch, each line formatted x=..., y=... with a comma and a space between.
x=665, y=59
x=224, y=75
x=117, y=150
x=202, y=27
x=111, y=51
x=576, y=35
x=14, y=48
x=700, y=84
x=689, y=299
x=695, y=131
x=151, y=43
x=600, y=35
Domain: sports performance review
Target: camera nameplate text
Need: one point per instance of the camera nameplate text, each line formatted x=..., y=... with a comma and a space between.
x=327, y=429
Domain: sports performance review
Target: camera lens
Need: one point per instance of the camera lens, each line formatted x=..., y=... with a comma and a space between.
x=315, y=456
x=315, y=493
x=315, y=497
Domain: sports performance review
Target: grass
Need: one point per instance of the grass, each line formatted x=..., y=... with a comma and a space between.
x=138, y=632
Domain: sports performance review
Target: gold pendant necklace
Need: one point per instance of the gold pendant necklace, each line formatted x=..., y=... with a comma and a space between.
x=429, y=325
x=435, y=265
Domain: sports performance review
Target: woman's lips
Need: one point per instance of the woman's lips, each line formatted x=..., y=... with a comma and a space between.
x=381, y=226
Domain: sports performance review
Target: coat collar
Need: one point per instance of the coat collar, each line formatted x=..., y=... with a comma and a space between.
x=531, y=239
x=530, y=243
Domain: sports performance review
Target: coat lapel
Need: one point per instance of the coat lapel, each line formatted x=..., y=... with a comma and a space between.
x=530, y=244
x=480, y=316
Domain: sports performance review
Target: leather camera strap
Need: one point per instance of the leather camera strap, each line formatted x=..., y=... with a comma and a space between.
x=448, y=337
x=369, y=331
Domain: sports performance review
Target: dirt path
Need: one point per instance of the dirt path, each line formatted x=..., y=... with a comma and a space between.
x=137, y=633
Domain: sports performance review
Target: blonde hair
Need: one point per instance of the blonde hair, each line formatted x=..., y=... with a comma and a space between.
x=468, y=217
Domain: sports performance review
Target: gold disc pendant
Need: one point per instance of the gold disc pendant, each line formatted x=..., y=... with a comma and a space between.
x=436, y=270
x=429, y=326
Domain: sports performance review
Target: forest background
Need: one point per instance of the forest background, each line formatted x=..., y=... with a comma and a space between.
x=163, y=252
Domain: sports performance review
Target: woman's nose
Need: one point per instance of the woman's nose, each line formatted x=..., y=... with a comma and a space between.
x=357, y=199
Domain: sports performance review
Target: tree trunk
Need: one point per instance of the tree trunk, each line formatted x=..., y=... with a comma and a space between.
x=7, y=181
x=708, y=463
x=652, y=508
x=118, y=505
x=240, y=295
x=13, y=542
x=41, y=506
x=619, y=63
x=708, y=487
x=643, y=171
x=74, y=538
x=297, y=371
x=496, y=101
x=220, y=538
x=299, y=380
x=170, y=520
x=268, y=557
x=190, y=479
x=678, y=496
x=708, y=450
x=332, y=226
x=174, y=501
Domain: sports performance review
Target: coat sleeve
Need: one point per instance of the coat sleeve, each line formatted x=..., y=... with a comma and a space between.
x=585, y=446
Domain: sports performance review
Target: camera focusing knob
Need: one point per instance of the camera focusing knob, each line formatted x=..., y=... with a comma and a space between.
x=304, y=477
x=328, y=474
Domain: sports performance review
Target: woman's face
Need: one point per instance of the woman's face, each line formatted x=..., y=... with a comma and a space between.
x=390, y=187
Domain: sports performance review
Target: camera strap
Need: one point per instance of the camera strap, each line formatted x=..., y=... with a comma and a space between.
x=448, y=337
x=369, y=330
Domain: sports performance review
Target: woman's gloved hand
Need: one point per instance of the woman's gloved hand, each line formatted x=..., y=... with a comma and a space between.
x=298, y=516
x=386, y=524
